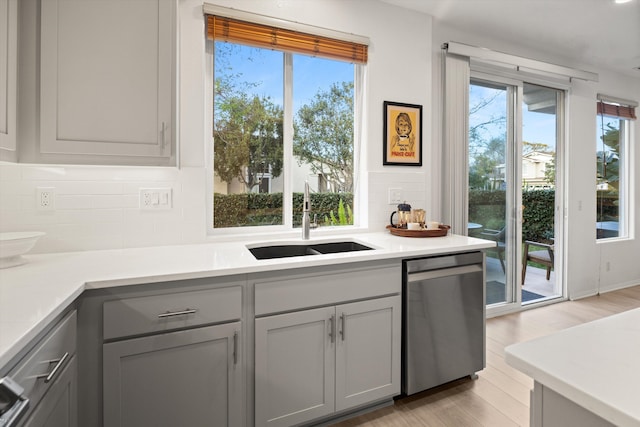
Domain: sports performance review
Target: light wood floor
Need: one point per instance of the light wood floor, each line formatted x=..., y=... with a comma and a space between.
x=500, y=396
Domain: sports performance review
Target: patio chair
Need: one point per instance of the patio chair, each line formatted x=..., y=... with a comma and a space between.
x=541, y=256
x=498, y=236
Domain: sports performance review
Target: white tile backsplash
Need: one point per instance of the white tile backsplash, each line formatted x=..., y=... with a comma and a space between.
x=65, y=202
x=413, y=185
x=98, y=207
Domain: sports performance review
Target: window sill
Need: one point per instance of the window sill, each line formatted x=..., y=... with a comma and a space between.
x=230, y=235
x=614, y=239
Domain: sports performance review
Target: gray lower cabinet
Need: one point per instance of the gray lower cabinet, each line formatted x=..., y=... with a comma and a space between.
x=294, y=367
x=185, y=378
x=173, y=359
x=163, y=354
x=59, y=407
x=313, y=363
x=272, y=348
x=48, y=376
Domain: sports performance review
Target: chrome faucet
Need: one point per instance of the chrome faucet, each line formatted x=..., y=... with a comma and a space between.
x=306, y=209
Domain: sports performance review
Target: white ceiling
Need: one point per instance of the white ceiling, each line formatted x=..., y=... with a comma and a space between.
x=594, y=32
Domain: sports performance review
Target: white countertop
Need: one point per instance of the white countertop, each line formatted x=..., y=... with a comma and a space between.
x=33, y=294
x=596, y=365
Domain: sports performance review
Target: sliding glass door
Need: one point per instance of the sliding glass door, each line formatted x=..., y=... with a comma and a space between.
x=513, y=135
x=541, y=189
x=491, y=186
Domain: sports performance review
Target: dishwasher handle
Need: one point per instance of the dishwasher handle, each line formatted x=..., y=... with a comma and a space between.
x=445, y=261
x=443, y=272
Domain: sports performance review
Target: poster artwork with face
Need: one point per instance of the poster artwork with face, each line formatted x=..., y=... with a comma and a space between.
x=403, y=134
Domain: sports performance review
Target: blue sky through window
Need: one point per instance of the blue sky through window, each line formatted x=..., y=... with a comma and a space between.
x=264, y=68
x=536, y=127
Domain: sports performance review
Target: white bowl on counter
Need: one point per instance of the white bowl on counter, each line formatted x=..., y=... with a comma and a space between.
x=15, y=244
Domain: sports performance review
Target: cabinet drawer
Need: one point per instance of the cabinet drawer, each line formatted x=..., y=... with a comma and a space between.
x=297, y=292
x=160, y=313
x=59, y=407
x=47, y=360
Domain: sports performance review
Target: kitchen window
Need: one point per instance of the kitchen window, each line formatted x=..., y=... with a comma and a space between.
x=612, y=161
x=284, y=113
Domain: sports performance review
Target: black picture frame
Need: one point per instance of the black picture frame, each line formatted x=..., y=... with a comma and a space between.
x=402, y=134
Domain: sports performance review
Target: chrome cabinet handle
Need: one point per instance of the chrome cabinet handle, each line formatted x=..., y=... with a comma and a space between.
x=332, y=328
x=235, y=348
x=51, y=375
x=163, y=131
x=343, y=324
x=177, y=313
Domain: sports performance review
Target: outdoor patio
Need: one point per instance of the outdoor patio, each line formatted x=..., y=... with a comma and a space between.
x=535, y=282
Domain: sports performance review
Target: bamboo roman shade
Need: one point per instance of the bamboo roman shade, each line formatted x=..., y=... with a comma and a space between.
x=259, y=35
x=613, y=110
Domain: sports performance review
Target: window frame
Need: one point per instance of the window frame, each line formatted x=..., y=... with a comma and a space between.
x=286, y=228
x=625, y=195
x=488, y=74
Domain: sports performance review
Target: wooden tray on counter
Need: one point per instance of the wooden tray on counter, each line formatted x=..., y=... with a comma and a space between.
x=440, y=232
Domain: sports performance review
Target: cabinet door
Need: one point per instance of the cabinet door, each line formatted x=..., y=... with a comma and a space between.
x=367, y=351
x=187, y=378
x=8, y=82
x=59, y=407
x=294, y=367
x=106, y=78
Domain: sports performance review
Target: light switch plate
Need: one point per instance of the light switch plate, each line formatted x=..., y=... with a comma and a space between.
x=395, y=196
x=156, y=199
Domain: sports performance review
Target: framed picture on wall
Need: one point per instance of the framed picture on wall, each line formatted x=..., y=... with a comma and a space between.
x=402, y=134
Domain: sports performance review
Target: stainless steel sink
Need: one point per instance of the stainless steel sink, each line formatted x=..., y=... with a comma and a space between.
x=284, y=251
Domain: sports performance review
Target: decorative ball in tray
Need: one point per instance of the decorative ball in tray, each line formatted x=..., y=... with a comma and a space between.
x=441, y=231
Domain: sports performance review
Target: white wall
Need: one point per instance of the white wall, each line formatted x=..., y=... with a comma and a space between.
x=97, y=207
x=586, y=260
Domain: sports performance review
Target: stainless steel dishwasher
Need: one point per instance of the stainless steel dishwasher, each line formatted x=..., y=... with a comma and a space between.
x=443, y=320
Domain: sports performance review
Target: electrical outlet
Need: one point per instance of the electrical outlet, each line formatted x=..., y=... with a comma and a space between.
x=395, y=196
x=155, y=199
x=45, y=198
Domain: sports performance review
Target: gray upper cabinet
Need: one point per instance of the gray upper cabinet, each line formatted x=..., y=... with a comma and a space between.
x=107, y=81
x=8, y=79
